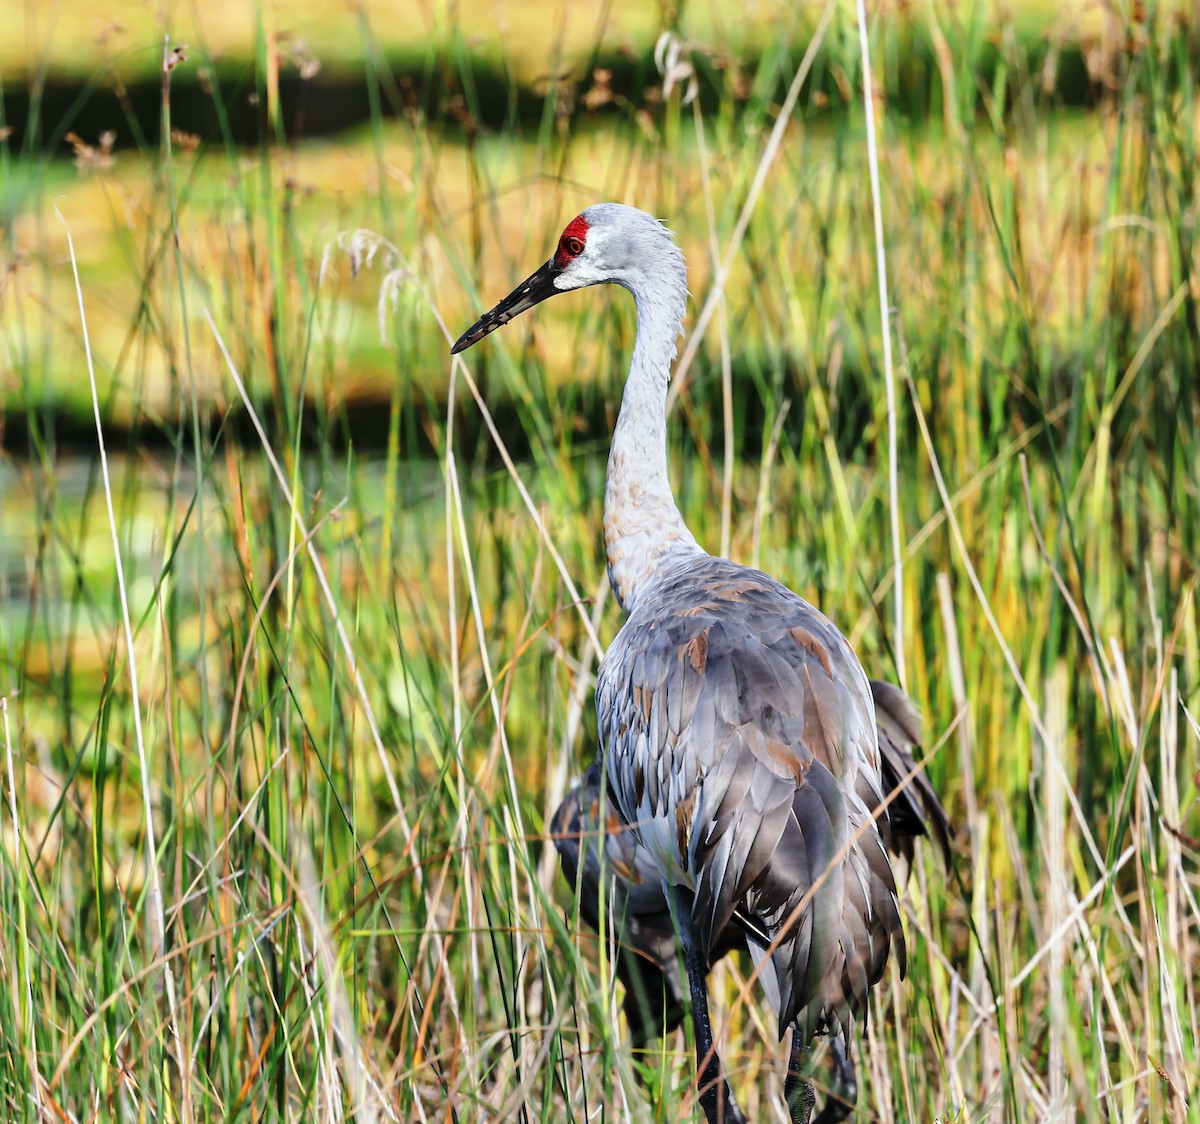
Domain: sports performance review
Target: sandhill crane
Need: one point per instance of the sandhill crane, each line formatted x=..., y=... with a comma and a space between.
x=642, y=940
x=737, y=728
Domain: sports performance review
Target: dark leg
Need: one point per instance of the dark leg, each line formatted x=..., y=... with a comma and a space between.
x=797, y=1090
x=844, y=1094
x=715, y=1096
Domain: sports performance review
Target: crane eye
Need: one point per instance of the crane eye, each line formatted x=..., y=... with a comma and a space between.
x=573, y=246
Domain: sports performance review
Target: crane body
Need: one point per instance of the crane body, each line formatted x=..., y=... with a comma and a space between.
x=596, y=845
x=737, y=727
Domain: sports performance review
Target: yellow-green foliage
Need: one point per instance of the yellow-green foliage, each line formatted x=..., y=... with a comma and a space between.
x=359, y=706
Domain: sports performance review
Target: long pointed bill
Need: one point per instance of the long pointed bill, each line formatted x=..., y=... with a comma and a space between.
x=533, y=290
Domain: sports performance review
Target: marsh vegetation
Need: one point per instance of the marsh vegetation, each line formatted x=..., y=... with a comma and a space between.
x=303, y=871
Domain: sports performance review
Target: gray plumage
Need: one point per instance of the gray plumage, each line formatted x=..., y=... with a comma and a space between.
x=643, y=942
x=737, y=728
x=646, y=949
x=915, y=808
x=739, y=740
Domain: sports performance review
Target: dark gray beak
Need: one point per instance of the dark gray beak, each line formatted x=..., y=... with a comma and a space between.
x=533, y=290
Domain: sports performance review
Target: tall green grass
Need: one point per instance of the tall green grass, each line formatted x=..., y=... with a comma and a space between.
x=365, y=674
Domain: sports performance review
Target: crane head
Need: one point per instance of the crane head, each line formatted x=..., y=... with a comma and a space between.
x=539, y=285
x=608, y=242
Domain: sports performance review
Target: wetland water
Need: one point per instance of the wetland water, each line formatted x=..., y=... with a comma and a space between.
x=55, y=540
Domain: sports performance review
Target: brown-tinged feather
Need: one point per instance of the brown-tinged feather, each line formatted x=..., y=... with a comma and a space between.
x=740, y=739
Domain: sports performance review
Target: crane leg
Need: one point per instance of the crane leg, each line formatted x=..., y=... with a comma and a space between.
x=716, y=1097
x=844, y=1094
x=797, y=1089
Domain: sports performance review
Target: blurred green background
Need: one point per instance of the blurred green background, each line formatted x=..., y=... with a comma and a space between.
x=364, y=670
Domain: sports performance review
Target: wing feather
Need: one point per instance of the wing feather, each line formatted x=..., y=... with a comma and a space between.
x=752, y=726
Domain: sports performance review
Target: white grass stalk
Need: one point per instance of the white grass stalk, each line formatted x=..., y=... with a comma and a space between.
x=534, y=514
x=343, y=638
x=1055, y=841
x=958, y=692
x=710, y=214
x=557, y=765
x=157, y=927
x=763, y=502
x=972, y=486
x=717, y=289
x=323, y=581
x=22, y=922
x=1075, y=918
x=513, y=822
x=341, y=1017
x=960, y=546
x=889, y=378
x=1179, y=939
x=456, y=695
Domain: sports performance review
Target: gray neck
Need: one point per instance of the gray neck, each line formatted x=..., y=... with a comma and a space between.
x=642, y=525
